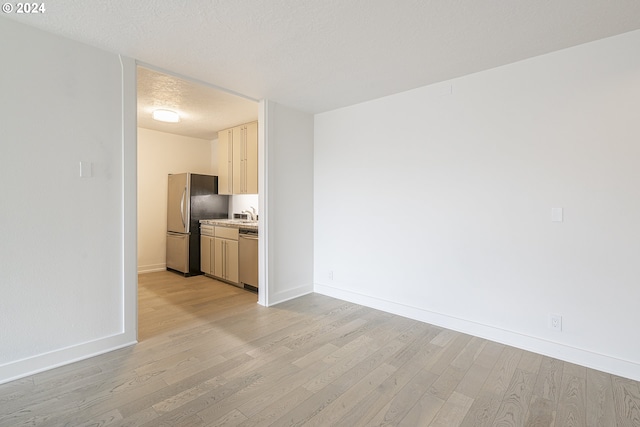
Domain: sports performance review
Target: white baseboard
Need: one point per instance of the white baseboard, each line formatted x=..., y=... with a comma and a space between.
x=151, y=268
x=590, y=359
x=22, y=368
x=280, y=297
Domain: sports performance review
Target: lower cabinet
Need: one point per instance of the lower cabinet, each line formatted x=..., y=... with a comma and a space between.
x=219, y=254
x=206, y=246
x=225, y=258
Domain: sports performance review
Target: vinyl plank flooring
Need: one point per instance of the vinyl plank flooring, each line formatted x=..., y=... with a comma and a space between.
x=266, y=403
x=486, y=404
x=387, y=390
x=572, y=400
x=304, y=411
x=600, y=407
x=403, y=392
x=549, y=379
x=472, y=381
x=270, y=374
x=477, y=374
x=423, y=412
x=340, y=364
x=447, y=382
x=209, y=355
x=401, y=404
x=514, y=406
x=627, y=401
x=453, y=411
x=286, y=403
x=541, y=413
x=452, y=350
x=344, y=403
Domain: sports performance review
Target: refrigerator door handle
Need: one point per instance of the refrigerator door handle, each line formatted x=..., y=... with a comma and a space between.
x=184, y=193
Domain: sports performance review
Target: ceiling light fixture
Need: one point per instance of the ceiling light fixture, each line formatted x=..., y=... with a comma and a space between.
x=166, y=116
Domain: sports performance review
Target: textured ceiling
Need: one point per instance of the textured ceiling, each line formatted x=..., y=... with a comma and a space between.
x=203, y=110
x=317, y=55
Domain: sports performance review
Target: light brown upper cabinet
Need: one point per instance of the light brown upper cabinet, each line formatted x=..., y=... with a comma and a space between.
x=238, y=159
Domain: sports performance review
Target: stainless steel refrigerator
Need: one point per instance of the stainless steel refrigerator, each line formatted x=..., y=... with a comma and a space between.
x=191, y=197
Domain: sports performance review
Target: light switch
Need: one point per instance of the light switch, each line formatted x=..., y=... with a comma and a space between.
x=86, y=169
x=556, y=214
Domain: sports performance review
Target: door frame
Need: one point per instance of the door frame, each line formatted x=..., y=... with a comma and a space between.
x=130, y=186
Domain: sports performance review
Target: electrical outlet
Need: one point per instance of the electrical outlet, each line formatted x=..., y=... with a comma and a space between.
x=330, y=274
x=86, y=169
x=555, y=322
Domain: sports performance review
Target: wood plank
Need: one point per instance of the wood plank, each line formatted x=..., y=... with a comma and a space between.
x=572, y=409
x=402, y=403
x=423, y=412
x=453, y=411
x=542, y=412
x=514, y=406
x=626, y=395
x=486, y=404
x=278, y=408
x=351, y=397
x=209, y=355
x=600, y=408
x=266, y=403
x=371, y=404
x=549, y=379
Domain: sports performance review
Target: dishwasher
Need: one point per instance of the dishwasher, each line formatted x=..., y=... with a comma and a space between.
x=248, y=259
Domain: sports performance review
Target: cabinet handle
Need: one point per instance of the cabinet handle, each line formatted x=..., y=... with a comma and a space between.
x=242, y=162
x=242, y=157
x=230, y=160
x=246, y=162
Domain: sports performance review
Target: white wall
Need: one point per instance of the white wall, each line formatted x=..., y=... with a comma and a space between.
x=435, y=203
x=286, y=187
x=63, y=272
x=160, y=154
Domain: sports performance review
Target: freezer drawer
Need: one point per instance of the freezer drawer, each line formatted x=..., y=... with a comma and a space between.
x=178, y=252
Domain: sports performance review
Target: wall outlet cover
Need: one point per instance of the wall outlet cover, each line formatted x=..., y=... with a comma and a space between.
x=556, y=214
x=555, y=322
x=86, y=169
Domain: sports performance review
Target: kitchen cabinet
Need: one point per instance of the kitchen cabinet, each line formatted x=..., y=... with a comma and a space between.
x=206, y=247
x=245, y=180
x=225, y=254
x=238, y=159
x=225, y=161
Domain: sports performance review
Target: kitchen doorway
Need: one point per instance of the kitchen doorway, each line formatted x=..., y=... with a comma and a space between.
x=189, y=144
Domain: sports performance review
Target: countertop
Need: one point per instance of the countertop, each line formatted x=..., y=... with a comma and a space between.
x=241, y=224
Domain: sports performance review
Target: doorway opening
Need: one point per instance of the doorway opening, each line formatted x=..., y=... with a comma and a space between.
x=189, y=145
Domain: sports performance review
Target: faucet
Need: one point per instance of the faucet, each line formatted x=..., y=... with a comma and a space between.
x=250, y=215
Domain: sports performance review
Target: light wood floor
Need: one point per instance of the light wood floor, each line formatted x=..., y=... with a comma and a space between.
x=209, y=356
